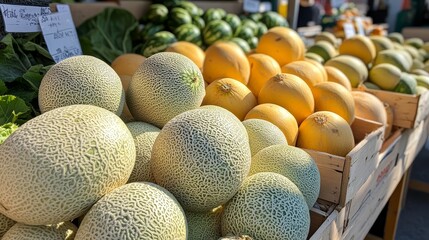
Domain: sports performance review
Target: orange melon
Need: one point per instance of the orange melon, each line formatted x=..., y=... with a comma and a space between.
x=330, y=96
x=304, y=70
x=283, y=44
x=326, y=131
x=320, y=67
x=358, y=46
x=190, y=50
x=225, y=60
x=262, y=68
x=278, y=116
x=231, y=95
x=290, y=92
x=335, y=75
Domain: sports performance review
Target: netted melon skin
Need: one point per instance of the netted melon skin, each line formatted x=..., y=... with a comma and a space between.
x=137, y=211
x=267, y=206
x=204, y=225
x=202, y=156
x=57, y=165
x=5, y=224
x=81, y=80
x=61, y=231
x=165, y=85
x=263, y=134
x=144, y=135
x=293, y=163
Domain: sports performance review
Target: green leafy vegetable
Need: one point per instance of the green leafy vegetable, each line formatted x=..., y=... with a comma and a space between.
x=11, y=108
x=6, y=130
x=108, y=35
x=3, y=88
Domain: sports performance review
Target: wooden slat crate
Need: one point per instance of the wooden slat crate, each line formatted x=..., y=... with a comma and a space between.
x=341, y=177
x=416, y=139
x=326, y=222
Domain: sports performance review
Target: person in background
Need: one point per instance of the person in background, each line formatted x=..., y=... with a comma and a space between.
x=308, y=14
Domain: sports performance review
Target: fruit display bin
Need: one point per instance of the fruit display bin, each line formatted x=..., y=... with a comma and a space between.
x=408, y=110
x=341, y=177
x=326, y=221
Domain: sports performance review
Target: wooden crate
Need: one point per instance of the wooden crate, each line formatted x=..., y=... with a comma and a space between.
x=416, y=139
x=341, y=177
x=408, y=110
x=326, y=222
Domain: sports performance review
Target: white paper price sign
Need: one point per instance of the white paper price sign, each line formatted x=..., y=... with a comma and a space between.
x=359, y=25
x=251, y=5
x=18, y=18
x=349, y=30
x=60, y=35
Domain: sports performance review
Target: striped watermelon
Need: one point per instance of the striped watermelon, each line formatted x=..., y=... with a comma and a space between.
x=256, y=17
x=158, y=43
x=262, y=29
x=251, y=24
x=199, y=22
x=157, y=13
x=273, y=19
x=190, y=7
x=189, y=33
x=242, y=44
x=214, y=14
x=178, y=16
x=244, y=32
x=233, y=21
x=150, y=29
x=216, y=30
x=253, y=42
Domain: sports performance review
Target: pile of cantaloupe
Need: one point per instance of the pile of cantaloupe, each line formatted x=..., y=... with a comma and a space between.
x=184, y=144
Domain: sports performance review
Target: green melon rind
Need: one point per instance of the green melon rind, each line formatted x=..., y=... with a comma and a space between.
x=293, y=163
x=385, y=75
x=204, y=225
x=407, y=84
x=144, y=135
x=61, y=231
x=58, y=164
x=202, y=156
x=81, y=80
x=267, y=206
x=139, y=210
x=5, y=224
x=263, y=134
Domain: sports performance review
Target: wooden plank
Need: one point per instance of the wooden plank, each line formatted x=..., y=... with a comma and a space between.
x=327, y=228
x=418, y=186
x=372, y=237
x=389, y=143
x=416, y=140
x=330, y=184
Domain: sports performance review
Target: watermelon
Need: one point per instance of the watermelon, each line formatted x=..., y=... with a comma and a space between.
x=157, y=13
x=407, y=84
x=178, y=16
x=244, y=32
x=158, y=43
x=262, y=29
x=214, y=14
x=190, y=7
x=233, y=21
x=150, y=29
x=189, y=33
x=253, y=42
x=273, y=19
x=256, y=17
x=251, y=24
x=216, y=30
x=168, y=3
x=199, y=22
x=242, y=44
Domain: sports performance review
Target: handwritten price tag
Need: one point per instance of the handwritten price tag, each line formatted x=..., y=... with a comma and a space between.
x=60, y=35
x=359, y=24
x=19, y=18
x=251, y=5
x=349, y=30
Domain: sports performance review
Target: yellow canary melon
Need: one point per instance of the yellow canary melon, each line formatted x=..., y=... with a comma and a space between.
x=283, y=44
x=324, y=49
x=335, y=75
x=352, y=67
x=262, y=68
x=62, y=231
x=326, y=36
x=231, y=95
x=385, y=75
x=263, y=134
x=320, y=67
x=5, y=224
x=333, y=97
x=326, y=131
x=369, y=107
x=306, y=71
x=190, y=50
x=314, y=56
x=278, y=116
x=381, y=43
x=398, y=58
x=396, y=37
x=290, y=92
x=204, y=225
x=225, y=60
x=358, y=46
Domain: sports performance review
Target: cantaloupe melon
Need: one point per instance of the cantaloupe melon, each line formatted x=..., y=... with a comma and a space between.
x=144, y=135
x=190, y=50
x=293, y=163
x=268, y=206
x=358, y=46
x=262, y=68
x=306, y=71
x=138, y=210
x=381, y=43
x=330, y=96
x=369, y=107
x=283, y=44
x=5, y=224
x=290, y=92
x=232, y=237
x=57, y=165
x=225, y=60
x=231, y=95
x=81, y=80
x=165, y=85
x=320, y=67
x=278, y=116
x=352, y=67
x=263, y=134
x=335, y=75
x=202, y=156
x=385, y=75
x=60, y=231
x=326, y=131
x=204, y=225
